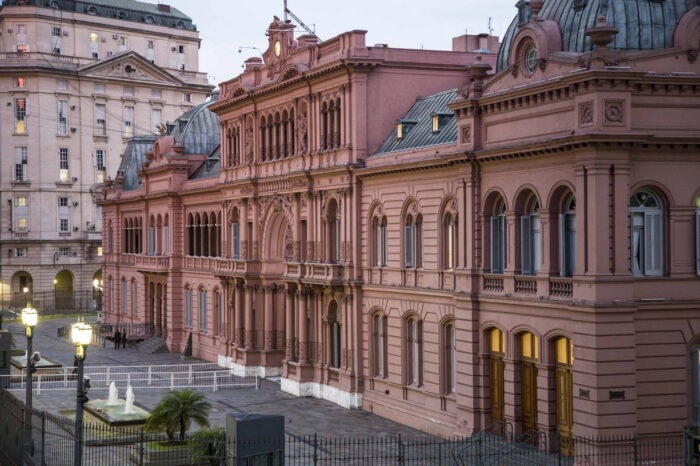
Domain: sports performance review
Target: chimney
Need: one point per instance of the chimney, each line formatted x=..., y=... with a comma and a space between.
x=307, y=40
x=163, y=7
x=253, y=63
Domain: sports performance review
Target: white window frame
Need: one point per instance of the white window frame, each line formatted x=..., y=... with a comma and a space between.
x=20, y=212
x=21, y=171
x=62, y=118
x=530, y=241
x=499, y=244
x=236, y=240
x=20, y=116
x=100, y=120
x=647, y=238
x=128, y=122
x=63, y=164
x=63, y=214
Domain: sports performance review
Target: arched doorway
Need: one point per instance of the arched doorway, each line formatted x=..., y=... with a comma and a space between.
x=529, y=354
x=497, y=350
x=22, y=289
x=63, y=290
x=334, y=336
x=564, y=349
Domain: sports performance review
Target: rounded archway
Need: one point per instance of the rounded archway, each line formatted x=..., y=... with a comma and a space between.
x=278, y=245
x=63, y=290
x=97, y=287
x=22, y=286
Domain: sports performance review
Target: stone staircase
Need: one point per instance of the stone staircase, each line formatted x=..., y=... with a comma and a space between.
x=153, y=345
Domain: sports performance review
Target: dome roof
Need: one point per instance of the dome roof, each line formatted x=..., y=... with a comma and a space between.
x=197, y=130
x=643, y=24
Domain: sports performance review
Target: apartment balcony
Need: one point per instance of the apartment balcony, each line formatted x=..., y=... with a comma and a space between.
x=38, y=58
x=528, y=286
x=222, y=265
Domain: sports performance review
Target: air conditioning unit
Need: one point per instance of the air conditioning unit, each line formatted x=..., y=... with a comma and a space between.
x=103, y=39
x=10, y=252
x=75, y=180
x=115, y=36
x=75, y=203
x=65, y=33
x=75, y=228
x=174, y=49
x=75, y=254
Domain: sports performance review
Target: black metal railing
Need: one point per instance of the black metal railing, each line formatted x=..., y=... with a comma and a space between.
x=53, y=439
x=54, y=302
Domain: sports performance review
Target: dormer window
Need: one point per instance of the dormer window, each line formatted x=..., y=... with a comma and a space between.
x=150, y=19
x=436, y=123
x=530, y=58
x=439, y=120
x=91, y=10
x=403, y=127
x=121, y=15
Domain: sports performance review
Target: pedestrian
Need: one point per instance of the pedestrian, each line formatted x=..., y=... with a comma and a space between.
x=117, y=339
x=124, y=340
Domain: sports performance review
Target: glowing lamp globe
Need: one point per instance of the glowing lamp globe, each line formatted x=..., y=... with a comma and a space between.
x=81, y=333
x=29, y=316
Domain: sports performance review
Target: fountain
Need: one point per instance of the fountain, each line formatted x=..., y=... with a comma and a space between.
x=113, y=399
x=129, y=406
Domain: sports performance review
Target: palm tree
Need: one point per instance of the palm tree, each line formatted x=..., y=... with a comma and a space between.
x=177, y=409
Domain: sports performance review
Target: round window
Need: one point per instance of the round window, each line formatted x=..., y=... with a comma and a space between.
x=531, y=58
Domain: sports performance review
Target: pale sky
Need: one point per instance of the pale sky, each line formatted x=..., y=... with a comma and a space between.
x=226, y=25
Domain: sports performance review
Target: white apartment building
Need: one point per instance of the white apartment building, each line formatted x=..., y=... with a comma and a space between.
x=77, y=80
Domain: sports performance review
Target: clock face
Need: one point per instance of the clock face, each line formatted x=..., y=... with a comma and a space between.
x=278, y=48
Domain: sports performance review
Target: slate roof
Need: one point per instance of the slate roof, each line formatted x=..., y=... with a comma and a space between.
x=210, y=167
x=133, y=159
x=643, y=24
x=132, y=9
x=420, y=119
x=198, y=130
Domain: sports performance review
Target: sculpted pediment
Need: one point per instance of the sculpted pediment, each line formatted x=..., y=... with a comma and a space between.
x=129, y=66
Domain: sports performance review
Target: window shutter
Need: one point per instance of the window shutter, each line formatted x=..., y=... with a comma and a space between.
x=236, y=240
x=697, y=241
x=495, y=245
x=526, y=244
x=653, y=247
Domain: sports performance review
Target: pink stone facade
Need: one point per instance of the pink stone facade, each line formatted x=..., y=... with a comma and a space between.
x=540, y=268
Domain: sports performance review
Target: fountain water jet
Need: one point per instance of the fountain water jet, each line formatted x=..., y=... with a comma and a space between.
x=129, y=406
x=113, y=399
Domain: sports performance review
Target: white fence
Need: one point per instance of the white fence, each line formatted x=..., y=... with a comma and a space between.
x=160, y=377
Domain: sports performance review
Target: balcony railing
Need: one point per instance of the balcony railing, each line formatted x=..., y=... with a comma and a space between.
x=152, y=262
x=561, y=287
x=525, y=285
x=492, y=282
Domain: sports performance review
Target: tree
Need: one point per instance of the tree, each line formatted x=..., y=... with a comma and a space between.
x=207, y=445
x=177, y=410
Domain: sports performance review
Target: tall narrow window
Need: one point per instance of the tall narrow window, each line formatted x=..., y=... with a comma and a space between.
x=21, y=214
x=202, y=310
x=188, y=308
x=98, y=218
x=20, y=172
x=567, y=238
x=235, y=241
x=56, y=40
x=180, y=57
x=100, y=120
x=156, y=120
x=125, y=294
x=122, y=43
x=498, y=238
x=62, y=129
x=128, y=122
x=419, y=241
x=134, y=298
x=449, y=234
x=646, y=212
x=219, y=313
x=166, y=240
x=20, y=116
x=697, y=235
x=695, y=383
x=94, y=46
x=63, y=174
x=63, y=215
x=530, y=239
x=151, y=51
x=151, y=241
x=379, y=329
x=414, y=352
x=100, y=165
x=409, y=243
x=449, y=358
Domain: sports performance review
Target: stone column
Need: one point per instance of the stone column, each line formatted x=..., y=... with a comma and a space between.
x=310, y=227
x=249, y=317
x=239, y=304
x=303, y=328
x=289, y=323
x=255, y=245
x=243, y=220
x=269, y=317
x=296, y=227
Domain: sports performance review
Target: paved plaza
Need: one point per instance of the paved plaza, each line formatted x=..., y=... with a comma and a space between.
x=303, y=415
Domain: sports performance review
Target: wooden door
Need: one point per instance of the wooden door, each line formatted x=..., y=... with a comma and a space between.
x=496, y=384
x=565, y=408
x=528, y=394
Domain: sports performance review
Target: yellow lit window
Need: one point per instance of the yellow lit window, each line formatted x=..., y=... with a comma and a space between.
x=530, y=346
x=436, y=123
x=565, y=351
x=399, y=131
x=498, y=344
x=99, y=251
x=21, y=224
x=93, y=37
x=20, y=83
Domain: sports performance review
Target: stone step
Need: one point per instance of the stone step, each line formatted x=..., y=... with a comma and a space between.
x=153, y=345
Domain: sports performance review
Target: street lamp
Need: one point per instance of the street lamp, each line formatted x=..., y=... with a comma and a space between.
x=29, y=319
x=81, y=334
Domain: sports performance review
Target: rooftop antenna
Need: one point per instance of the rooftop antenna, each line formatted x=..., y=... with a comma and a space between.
x=490, y=26
x=288, y=12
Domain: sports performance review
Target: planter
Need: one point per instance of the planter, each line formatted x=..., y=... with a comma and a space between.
x=161, y=454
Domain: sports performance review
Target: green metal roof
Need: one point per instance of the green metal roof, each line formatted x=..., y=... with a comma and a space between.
x=643, y=24
x=128, y=10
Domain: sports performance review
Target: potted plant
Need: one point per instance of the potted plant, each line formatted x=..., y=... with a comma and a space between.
x=176, y=411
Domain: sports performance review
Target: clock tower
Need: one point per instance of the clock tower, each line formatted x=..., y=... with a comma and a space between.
x=280, y=35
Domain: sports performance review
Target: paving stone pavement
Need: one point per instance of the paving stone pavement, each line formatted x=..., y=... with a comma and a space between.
x=303, y=415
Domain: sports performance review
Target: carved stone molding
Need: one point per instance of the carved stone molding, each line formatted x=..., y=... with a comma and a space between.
x=614, y=112
x=466, y=135
x=585, y=114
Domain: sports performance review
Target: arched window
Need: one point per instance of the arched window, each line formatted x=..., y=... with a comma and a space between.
x=151, y=237
x=379, y=345
x=333, y=235
x=695, y=384
x=110, y=237
x=497, y=350
x=190, y=235
x=379, y=234
x=530, y=238
x=203, y=310
x=149, y=19
x=263, y=145
x=235, y=237
x=449, y=359
x=567, y=237
x=529, y=355
x=646, y=222
x=166, y=236
x=409, y=243
x=188, y=308
x=413, y=350
x=498, y=238
x=124, y=296
x=697, y=235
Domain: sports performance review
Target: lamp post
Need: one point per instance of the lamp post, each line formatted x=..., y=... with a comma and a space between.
x=81, y=334
x=29, y=319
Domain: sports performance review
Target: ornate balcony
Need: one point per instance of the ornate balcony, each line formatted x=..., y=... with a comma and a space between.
x=525, y=285
x=492, y=283
x=561, y=287
x=152, y=262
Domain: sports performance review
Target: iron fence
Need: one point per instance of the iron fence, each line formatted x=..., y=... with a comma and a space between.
x=54, y=302
x=102, y=333
x=53, y=443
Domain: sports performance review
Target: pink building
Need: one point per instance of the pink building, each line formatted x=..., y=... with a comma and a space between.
x=447, y=239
